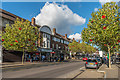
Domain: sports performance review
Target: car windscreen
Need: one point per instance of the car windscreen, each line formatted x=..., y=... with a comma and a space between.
x=91, y=60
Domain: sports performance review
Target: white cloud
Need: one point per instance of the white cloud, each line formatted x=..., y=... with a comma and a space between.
x=105, y=1
x=96, y=9
x=77, y=36
x=59, y=17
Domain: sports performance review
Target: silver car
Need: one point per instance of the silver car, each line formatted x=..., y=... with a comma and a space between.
x=92, y=63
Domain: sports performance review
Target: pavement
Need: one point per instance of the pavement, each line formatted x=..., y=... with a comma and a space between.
x=110, y=72
x=102, y=73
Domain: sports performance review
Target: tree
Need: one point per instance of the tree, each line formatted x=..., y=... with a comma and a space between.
x=74, y=46
x=104, y=28
x=20, y=36
x=81, y=47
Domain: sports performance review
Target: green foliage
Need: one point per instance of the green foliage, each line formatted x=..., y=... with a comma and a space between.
x=20, y=35
x=104, y=27
x=81, y=47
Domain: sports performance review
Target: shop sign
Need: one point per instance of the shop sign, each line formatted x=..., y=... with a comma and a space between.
x=37, y=53
x=45, y=50
x=53, y=52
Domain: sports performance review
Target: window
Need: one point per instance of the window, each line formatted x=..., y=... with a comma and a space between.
x=61, y=41
x=47, y=44
x=44, y=44
x=44, y=35
x=54, y=38
x=56, y=46
x=53, y=46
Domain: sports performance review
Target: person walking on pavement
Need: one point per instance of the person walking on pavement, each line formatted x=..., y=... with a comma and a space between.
x=31, y=60
x=107, y=63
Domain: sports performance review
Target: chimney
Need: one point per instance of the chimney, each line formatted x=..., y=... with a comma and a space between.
x=73, y=39
x=66, y=36
x=33, y=21
x=78, y=41
x=54, y=30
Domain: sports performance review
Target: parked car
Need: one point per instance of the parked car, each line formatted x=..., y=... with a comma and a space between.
x=92, y=63
x=85, y=58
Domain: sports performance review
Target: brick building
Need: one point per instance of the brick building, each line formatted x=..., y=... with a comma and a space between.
x=49, y=43
x=59, y=45
x=8, y=18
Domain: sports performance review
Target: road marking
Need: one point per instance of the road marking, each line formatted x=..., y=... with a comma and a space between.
x=82, y=68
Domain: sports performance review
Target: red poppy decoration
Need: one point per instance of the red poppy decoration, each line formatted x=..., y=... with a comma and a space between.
x=104, y=27
x=11, y=44
x=37, y=53
x=105, y=44
x=73, y=46
x=91, y=40
x=29, y=40
x=16, y=41
x=33, y=43
x=19, y=28
x=2, y=39
x=91, y=21
x=119, y=41
x=109, y=44
x=114, y=47
x=103, y=16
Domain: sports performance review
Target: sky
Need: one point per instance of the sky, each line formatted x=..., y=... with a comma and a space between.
x=67, y=17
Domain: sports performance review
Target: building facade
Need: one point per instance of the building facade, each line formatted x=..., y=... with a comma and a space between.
x=59, y=45
x=8, y=18
x=50, y=44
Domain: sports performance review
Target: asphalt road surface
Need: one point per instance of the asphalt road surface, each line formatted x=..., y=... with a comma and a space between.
x=66, y=70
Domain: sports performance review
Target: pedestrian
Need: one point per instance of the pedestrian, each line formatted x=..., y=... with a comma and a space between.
x=107, y=62
x=31, y=60
x=50, y=58
x=42, y=57
x=56, y=59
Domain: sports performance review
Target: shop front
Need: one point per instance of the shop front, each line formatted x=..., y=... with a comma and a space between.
x=45, y=54
x=32, y=56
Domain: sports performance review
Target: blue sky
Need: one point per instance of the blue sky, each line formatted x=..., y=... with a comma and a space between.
x=28, y=10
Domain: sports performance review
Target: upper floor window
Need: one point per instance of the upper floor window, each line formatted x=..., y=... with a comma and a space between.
x=52, y=38
x=61, y=41
x=44, y=44
x=58, y=40
x=56, y=46
x=53, y=46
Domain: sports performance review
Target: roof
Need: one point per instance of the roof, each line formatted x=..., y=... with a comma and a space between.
x=68, y=39
x=9, y=15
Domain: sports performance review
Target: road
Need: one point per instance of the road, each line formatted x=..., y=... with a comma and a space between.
x=67, y=70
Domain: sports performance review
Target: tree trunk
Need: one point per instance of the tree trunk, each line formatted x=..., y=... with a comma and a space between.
x=109, y=57
x=23, y=56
